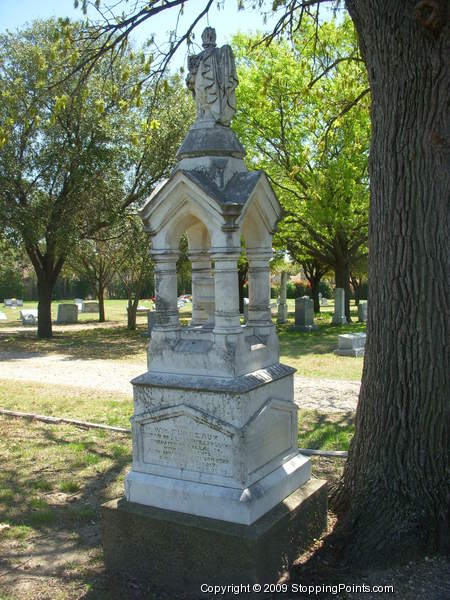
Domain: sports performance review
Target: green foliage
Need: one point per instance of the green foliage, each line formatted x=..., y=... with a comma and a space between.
x=77, y=151
x=299, y=121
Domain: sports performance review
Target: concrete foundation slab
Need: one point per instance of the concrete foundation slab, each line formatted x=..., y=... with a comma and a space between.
x=178, y=552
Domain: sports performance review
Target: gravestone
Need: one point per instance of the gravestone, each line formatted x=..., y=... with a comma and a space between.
x=282, y=316
x=351, y=344
x=362, y=311
x=3, y=317
x=91, y=307
x=29, y=317
x=19, y=302
x=304, y=314
x=9, y=302
x=216, y=474
x=67, y=314
x=339, y=307
x=80, y=303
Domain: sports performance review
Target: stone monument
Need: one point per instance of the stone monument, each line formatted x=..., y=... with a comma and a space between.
x=339, y=317
x=67, y=314
x=351, y=344
x=216, y=470
x=362, y=311
x=304, y=314
x=282, y=316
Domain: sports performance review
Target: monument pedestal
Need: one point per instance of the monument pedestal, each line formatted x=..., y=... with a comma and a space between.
x=179, y=553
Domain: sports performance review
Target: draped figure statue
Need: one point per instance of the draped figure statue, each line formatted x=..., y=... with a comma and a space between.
x=212, y=80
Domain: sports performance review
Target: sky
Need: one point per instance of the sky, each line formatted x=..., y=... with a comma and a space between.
x=227, y=20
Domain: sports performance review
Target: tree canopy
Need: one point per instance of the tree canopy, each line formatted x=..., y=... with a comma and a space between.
x=75, y=155
x=303, y=116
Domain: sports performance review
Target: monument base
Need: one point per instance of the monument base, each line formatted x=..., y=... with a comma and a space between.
x=183, y=554
x=304, y=328
x=235, y=505
x=349, y=351
x=339, y=320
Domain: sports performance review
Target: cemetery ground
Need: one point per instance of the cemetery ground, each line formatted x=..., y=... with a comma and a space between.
x=54, y=477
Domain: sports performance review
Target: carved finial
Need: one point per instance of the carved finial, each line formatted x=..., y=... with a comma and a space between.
x=209, y=37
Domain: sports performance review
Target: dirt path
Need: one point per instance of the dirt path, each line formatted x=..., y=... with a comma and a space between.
x=326, y=395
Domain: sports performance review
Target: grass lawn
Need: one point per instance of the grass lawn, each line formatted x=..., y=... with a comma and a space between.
x=310, y=353
x=55, y=477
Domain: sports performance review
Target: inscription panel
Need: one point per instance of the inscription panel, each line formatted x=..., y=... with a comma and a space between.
x=268, y=437
x=183, y=443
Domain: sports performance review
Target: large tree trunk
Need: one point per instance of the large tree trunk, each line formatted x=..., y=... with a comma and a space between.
x=101, y=303
x=356, y=285
x=45, y=289
x=395, y=479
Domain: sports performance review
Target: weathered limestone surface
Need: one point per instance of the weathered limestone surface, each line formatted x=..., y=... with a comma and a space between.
x=351, y=344
x=339, y=317
x=151, y=321
x=67, y=313
x=304, y=314
x=215, y=423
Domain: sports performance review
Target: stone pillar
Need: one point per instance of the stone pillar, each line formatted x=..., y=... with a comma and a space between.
x=282, y=316
x=166, y=290
x=226, y=290
x=304, y=314
x=202, y=289
x=362, y=311
x=259, y=314
x=339, y=307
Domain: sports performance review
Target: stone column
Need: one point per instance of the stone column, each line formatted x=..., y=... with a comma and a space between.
x=259, y=288
x=362, y=311
x=339, y=307
x=166, y=290
x=226, y=287
x=202, y=288
x=282, y=316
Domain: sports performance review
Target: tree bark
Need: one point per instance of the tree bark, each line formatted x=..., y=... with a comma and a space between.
x=356, y=285
x=131, y=315
x=45, y=289
x=101, y=303
x=314, y=271
x=395, y=480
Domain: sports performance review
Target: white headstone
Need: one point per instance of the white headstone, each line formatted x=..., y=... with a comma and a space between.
x=362, y=311
x=29, y=317
x=339, y=307
x=351, y=344
x=80, y=303
x=3, y=317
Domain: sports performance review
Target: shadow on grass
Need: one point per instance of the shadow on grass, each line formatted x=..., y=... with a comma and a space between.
x=325, y=431
x=62, y=533
x=99, y=343
x=91, y=342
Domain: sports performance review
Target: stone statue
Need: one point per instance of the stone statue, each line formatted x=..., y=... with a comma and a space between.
x=212, y=80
